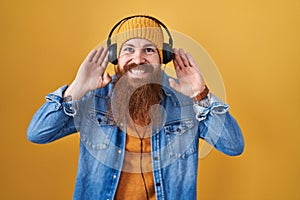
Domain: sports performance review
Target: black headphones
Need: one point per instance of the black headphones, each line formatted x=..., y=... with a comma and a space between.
x=167, y=49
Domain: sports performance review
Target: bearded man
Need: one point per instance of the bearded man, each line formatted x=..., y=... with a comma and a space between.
x=139, y=129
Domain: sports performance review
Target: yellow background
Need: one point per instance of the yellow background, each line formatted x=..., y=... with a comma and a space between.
x=255, y=45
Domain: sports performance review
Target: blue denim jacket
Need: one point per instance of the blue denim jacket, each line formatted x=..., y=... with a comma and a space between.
x=174, y=143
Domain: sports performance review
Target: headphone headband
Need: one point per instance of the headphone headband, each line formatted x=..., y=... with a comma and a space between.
x=146, y=16
x=167, y=49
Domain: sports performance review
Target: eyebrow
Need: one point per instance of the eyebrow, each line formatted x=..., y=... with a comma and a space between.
x=149, y=45
x=128, y=45
x=146, y=45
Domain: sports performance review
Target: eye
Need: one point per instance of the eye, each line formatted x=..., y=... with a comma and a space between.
x=127, y=50
x=150, y=50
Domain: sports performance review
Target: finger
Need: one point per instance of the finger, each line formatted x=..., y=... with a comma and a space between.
x=184, y=58
x=179, y=72
x=191, y=60
x=179, y=69
x=91, y=55
x=102, y=57
x=98, y=54
x=176, y=65
x=179, y=60
x=105, y=62
x=194, y=65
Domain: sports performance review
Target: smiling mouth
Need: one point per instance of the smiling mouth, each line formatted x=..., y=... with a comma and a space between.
x=139, y=71
x=136, y=71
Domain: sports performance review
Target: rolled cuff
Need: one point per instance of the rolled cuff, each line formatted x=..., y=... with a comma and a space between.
x=70, y=108
x=216, y=107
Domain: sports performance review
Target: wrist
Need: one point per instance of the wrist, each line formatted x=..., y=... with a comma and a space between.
x=67, y=98
x=73, y=92
x=201, y=95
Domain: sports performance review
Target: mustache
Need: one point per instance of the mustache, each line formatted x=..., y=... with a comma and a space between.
x=146, y=67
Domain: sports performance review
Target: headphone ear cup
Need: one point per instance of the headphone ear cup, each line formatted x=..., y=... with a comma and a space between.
x=112, y=54
x=167, y=53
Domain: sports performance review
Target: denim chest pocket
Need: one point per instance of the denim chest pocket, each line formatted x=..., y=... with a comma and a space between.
x=97, y=131
x=181, y=138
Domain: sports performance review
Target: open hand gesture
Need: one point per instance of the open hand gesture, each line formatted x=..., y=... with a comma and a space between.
x=90, y=75
x=190, y=81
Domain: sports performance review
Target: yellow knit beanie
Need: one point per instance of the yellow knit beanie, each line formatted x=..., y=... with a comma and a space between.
x=140, y=27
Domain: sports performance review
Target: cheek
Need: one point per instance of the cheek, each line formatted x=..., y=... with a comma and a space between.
x=121, y=62
x=155, y=59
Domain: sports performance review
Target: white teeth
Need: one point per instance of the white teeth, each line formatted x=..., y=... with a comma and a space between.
x=137, y=71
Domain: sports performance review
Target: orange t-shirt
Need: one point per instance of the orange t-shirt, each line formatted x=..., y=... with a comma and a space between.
x=131, y=185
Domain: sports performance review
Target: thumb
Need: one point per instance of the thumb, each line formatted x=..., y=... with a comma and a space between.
x=174, y=85
x=106, y=79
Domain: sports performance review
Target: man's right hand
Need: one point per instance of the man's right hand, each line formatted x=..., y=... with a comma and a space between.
x=90, y=75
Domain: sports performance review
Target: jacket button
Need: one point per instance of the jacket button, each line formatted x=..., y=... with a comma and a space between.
x=155, y=158
x=157, y=184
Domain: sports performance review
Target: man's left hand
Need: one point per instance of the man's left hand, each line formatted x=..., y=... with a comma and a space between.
x=190, y=81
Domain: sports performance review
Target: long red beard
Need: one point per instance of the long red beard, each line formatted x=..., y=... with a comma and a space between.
x=132, y=102
x=141, y=101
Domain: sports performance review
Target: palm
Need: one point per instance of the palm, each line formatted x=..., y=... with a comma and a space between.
x=90, y=75
x=190, y=81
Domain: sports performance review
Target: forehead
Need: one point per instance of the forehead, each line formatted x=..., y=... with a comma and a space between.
x=138, y=42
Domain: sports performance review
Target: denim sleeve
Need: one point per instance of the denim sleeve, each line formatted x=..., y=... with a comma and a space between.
x=54, y=120
x=219, y=128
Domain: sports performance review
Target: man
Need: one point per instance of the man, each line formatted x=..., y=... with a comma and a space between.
x=139, y=129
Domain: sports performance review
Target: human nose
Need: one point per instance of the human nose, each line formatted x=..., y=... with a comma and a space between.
x=139, y=57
